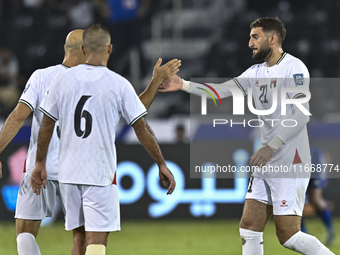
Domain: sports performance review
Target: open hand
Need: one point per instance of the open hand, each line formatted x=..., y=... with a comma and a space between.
x=164, y=72
x=173, y=84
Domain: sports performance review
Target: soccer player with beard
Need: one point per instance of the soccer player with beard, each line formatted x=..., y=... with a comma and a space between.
x=284, y=195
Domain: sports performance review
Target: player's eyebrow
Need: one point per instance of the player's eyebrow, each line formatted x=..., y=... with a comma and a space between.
x=253, y=35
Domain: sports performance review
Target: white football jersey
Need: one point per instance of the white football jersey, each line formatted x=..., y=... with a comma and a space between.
x=32, y=96
x=88, y=102
x=288, y=72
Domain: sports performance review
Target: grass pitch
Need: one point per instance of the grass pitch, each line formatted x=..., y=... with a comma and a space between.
x=163, y=237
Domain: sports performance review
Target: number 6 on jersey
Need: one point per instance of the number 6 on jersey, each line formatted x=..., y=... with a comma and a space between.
x=78, y=114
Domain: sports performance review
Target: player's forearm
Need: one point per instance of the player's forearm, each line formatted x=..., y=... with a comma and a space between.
x=149, y=94
x=288, y=133
x=148, y=140
x=222, y=89
x=44, y=138
x=10, y=129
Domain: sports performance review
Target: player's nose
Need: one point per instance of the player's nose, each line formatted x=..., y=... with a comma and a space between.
x=251, y=43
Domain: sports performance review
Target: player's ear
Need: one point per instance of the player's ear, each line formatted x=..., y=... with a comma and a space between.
x=82, y=49
x=273, y=38
x=110, y=49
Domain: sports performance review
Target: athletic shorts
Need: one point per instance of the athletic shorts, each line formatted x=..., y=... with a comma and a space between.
x=36, y=207
x=95, y=207
x=286, y=195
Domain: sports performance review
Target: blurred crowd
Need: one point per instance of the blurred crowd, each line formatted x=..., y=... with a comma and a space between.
x=33, y=34
x=213, y=34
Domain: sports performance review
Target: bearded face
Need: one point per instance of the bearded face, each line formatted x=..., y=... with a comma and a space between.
x=259, y=54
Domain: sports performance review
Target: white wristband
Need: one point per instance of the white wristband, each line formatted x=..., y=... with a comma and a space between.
x=275, y=143
x=186, y=85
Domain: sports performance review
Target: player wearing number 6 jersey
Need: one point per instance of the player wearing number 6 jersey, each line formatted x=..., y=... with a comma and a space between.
x=88, y=101
x=288, y=147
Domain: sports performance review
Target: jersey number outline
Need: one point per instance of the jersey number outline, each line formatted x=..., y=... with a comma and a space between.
x=263, y=96
x=250, y=188
x=78, y=115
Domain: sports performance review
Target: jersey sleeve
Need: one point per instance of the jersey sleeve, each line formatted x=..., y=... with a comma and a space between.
x=243, y=81
x=30, y=95
x=298, y=78
x=132, y=109
x=215, y=90
x=49, y=105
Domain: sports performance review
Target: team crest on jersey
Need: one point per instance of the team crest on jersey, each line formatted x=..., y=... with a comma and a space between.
x=273, y=84
x=257, y=83
x=298, y=78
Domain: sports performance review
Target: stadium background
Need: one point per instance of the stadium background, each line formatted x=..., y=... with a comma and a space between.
x=211, y=39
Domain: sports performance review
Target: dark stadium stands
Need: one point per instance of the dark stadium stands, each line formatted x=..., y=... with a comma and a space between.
x=211, y=38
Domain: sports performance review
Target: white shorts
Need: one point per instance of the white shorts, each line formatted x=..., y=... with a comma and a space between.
x=286, y=195
x=33, y=207
x=95, y=207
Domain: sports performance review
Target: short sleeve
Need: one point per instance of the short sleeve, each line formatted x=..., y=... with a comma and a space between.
x=132, y=109
x=30, y=95
x=298, y=77
x=49, y=105
x=243, y=81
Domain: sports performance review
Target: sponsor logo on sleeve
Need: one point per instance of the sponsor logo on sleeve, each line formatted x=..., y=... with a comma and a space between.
x=298, y=79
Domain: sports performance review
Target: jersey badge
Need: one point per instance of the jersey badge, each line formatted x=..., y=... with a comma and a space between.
x=298, y=79
x=273, y=84
x=257, y=83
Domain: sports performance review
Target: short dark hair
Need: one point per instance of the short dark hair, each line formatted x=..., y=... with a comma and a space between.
x=96, y=36
x=271, y=24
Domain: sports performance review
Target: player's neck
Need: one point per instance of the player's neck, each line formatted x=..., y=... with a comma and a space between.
x=71, y=61
x=96, y=60
x=274, y=57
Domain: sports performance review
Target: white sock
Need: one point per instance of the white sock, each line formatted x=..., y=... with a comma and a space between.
x=27, y=245
x=307, y=245
x=252, y=242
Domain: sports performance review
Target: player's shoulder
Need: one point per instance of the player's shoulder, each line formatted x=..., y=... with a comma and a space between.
x=43, y=73
x=256, y=67
x=253, y=70
x=291, y=62
x=288, y=58
x=51, y=70
x=118, y=79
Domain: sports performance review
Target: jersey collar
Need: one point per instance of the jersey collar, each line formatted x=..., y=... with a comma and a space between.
x=280, y=60
x=93, y=65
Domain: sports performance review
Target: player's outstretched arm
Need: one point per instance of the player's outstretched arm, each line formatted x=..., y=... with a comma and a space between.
x=148, y=140
x=160, y=74
x=39, y=174
x=217, y=90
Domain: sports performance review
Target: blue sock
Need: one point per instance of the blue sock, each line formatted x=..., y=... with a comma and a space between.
x=303, y=226
x=326, y=217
